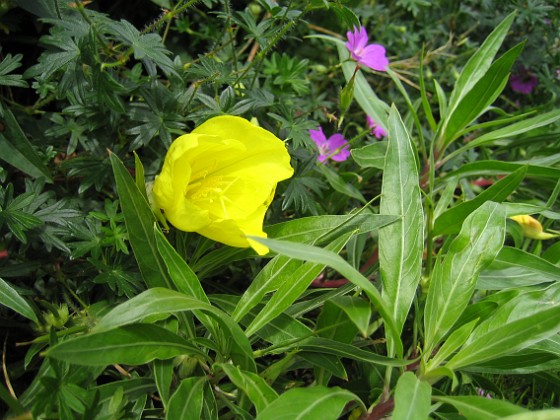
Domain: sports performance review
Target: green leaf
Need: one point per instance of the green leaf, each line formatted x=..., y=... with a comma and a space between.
x=516, y=129
x=140, y=221
x=255, y=387
x=550, y=414
x=401, y=243
x=16, y=149
x=186, y=401
x=481, y=408
x=133, y=344
x=340, y=185
x=451, y=220
x=161, y=301
x=336, y=348
x=357, y=309
x=327, y=364
x=318, y=229
x=412, y=398
x=478, y=65
x=371, y=156
x=516, y=268
x=8, y=65
x=292, y=287
x=455, y=340
x=315, y=402
x=454, y=278
x=496, y=167
x=480, y=96
x=10, y=297
x=148, y=48
x=163, y=374
x=508, y=338
x=322, y=256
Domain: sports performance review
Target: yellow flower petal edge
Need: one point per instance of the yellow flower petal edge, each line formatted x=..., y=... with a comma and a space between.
x=532, y=228
x=220, y=179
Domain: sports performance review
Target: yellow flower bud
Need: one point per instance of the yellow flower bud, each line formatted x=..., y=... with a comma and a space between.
x=531, y=227
x=220, y=179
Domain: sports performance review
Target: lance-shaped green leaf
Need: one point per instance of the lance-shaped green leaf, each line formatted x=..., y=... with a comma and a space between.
x=292, y=287
x=479, y=63
x=496, y=167
x=401, y=243
x=186, y=401
x=10, y=297
x=317, y=229
x=478, y=408
x=140, y=221
x=315, y=402
x=16, y=149
x=336, y=348
x=412, y=398
x=255, y=387
x=455, y=275
x=508, y=338
x=516, y=268
x=322, y=256
x=481, y=95
x=160, y=301
x=451, y=220
x=133, y=344
x=526, y=319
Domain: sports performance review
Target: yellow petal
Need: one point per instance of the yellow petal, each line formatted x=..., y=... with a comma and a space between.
x=220, y=179
x=531, y=227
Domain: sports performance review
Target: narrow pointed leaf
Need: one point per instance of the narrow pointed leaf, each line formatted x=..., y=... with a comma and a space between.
x=322, y=256
x=412, y=398
x=186, y=401
x=451, y=220
x=140, y=221
x=134, y=344
x=455, y=276
x=10, y=298
x=255, y=387
x=401, y=243
x=316, y=402
x=478, y=408
x=509, y=338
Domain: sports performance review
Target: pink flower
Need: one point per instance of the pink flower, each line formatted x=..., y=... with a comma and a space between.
x=376, y=129
x=372, y=55
x=524, y=81
x=335, y=147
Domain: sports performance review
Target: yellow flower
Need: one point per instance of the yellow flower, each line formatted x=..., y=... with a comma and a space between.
x=220, y=179
x=531, y=227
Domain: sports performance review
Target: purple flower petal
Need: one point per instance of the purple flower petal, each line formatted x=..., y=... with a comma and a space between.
x=374, y=57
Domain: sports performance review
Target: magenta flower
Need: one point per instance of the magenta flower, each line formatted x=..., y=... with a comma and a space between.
x=335, y=147
x=524, y=81
x=370, y=55
x=376, y=129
